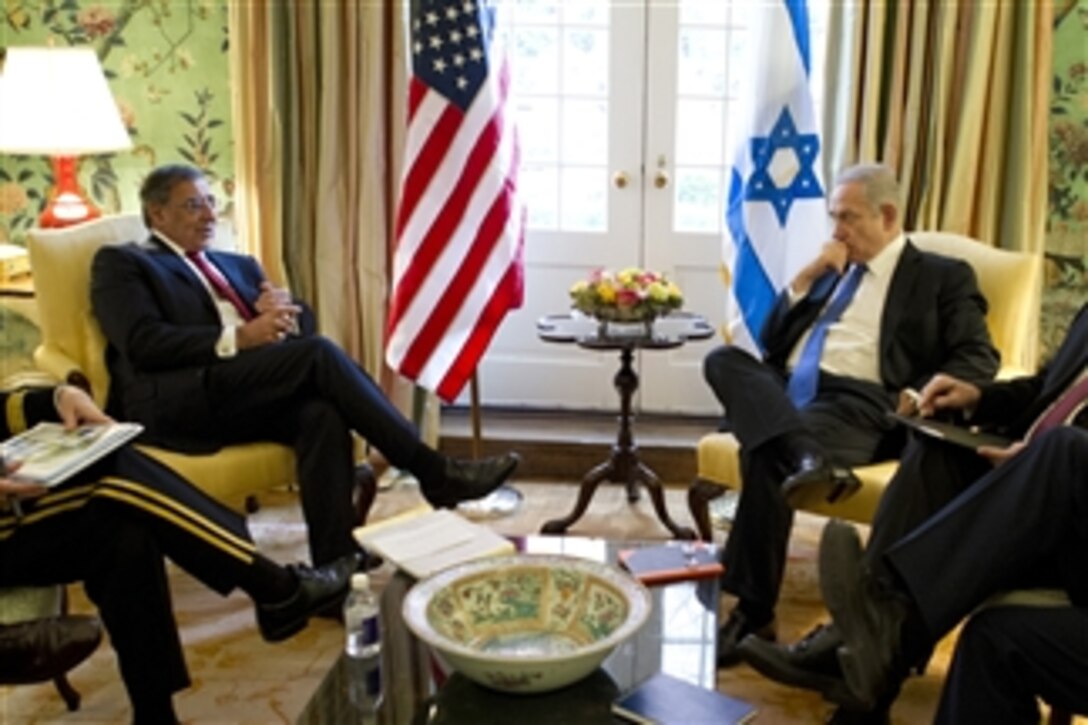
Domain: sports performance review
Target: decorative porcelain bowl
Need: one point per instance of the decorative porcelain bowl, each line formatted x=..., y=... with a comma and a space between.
x=526, y=623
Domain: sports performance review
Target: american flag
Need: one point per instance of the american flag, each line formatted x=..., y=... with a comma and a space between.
x=458, y=263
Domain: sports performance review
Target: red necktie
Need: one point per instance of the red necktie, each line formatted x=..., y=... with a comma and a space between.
x=220, y=284
x=1063, y=408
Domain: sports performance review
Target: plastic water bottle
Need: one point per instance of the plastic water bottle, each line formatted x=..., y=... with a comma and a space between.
x=363, y=645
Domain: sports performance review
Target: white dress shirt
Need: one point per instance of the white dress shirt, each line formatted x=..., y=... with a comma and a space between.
x=852, y=346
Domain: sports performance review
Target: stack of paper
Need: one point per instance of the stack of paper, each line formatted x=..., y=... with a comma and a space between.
x=422, y=541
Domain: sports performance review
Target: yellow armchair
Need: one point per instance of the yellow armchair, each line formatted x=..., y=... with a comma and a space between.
x=73, y=350
x=1012, y=284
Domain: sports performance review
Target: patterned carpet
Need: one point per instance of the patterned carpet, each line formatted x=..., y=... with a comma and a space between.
x=238, y=678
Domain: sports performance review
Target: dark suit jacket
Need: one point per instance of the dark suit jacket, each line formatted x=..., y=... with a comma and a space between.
x=162, y=327
x=934, y=320
x=1012, y=406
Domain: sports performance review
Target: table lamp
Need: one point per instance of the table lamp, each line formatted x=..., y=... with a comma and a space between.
x=55, y=102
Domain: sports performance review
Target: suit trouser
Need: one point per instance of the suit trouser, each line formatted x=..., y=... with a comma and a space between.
x=1006, y=656
x=929, y=476
x=110, y=529
x=307, y=393
x=1022, y=525
x=846, y=419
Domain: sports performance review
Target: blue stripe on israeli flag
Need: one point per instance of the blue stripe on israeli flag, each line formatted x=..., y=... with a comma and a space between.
x=775, y=216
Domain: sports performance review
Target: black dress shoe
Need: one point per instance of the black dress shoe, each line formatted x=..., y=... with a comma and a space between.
x=735, y=629
x=811, y=663
x=468, y=480
x=318, y=590
x=847, y=716
x=869, y=617
x=816, y=480
x=41, y=649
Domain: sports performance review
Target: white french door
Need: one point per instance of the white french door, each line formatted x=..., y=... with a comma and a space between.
x=623, y=109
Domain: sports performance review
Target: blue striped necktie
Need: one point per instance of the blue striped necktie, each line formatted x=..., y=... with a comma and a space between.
x=806, y=375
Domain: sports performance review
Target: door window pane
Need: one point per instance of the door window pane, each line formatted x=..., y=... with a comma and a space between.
x=583, y=202
x=560, y=65
x=539, y=186
x=538, y=128
x=585, y=132
x=698, y=200
x=699, y=134
x=701, y=65
x=585, y=62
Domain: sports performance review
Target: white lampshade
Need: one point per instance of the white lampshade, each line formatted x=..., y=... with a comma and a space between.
x=55, y=101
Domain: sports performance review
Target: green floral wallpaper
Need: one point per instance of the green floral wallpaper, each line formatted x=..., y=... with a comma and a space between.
x=166, y=62
x=1067, y=229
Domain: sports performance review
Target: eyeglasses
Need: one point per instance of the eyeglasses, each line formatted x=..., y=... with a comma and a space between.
x=197, y=204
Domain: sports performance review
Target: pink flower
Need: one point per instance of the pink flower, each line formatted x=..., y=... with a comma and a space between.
x=627, y=298
x=96, y=21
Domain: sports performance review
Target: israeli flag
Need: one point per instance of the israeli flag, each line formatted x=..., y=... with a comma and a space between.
x=775, y=215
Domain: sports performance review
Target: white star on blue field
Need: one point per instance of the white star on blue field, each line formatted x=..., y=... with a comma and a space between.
x=761, y=185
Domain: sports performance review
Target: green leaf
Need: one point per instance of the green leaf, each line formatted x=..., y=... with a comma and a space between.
x=186, y=155
x=188, y=117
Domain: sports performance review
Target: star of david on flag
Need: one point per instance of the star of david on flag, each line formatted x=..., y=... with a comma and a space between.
x=775, y=215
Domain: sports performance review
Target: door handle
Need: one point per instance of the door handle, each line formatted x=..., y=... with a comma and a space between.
x=661, y=179
x=620, y=179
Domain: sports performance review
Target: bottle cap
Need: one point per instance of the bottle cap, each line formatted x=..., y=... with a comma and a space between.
x=360, y=581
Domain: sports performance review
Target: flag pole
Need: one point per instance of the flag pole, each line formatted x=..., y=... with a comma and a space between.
x=474, y=413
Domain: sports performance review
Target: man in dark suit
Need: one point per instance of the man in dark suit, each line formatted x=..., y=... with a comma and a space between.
x=110, y=526
x=1015, y=519
x=890, y=316
x=205, y=352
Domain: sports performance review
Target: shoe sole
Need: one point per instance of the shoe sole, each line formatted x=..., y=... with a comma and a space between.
x=832, y=688
x=732, y=657
x=297, y=626
x=840, y=565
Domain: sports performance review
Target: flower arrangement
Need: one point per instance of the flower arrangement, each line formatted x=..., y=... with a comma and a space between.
x=630, y=295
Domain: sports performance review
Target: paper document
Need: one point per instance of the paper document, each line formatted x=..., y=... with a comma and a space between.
x=49, y=454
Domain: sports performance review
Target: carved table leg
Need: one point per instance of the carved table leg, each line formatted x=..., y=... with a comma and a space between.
x=657, y=497
x=700, y=494
x=585, y=494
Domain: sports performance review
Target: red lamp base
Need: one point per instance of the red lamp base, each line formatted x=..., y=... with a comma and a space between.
x=67, y=203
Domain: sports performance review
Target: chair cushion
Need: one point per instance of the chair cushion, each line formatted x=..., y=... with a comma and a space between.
x=718, y=462
x=232, y=473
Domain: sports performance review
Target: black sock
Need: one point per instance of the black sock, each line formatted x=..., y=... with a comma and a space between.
x=267, y=582
x=429, y=467
x=154, y=711
x=756, y=614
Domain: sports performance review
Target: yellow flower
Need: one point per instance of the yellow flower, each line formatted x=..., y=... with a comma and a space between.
x=630, y=294
x=658, y=292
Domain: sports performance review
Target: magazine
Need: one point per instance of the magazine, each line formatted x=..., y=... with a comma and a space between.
x=49, y=454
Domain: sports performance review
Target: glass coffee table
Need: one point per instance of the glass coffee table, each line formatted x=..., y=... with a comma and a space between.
x=678, y=638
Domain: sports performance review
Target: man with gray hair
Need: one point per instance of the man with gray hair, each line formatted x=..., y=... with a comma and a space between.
x=869, y=317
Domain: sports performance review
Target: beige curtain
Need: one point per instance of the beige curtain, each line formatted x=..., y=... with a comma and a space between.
x=318, y=114
x=953, y=94
x=312, y=119
x=258, y=156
